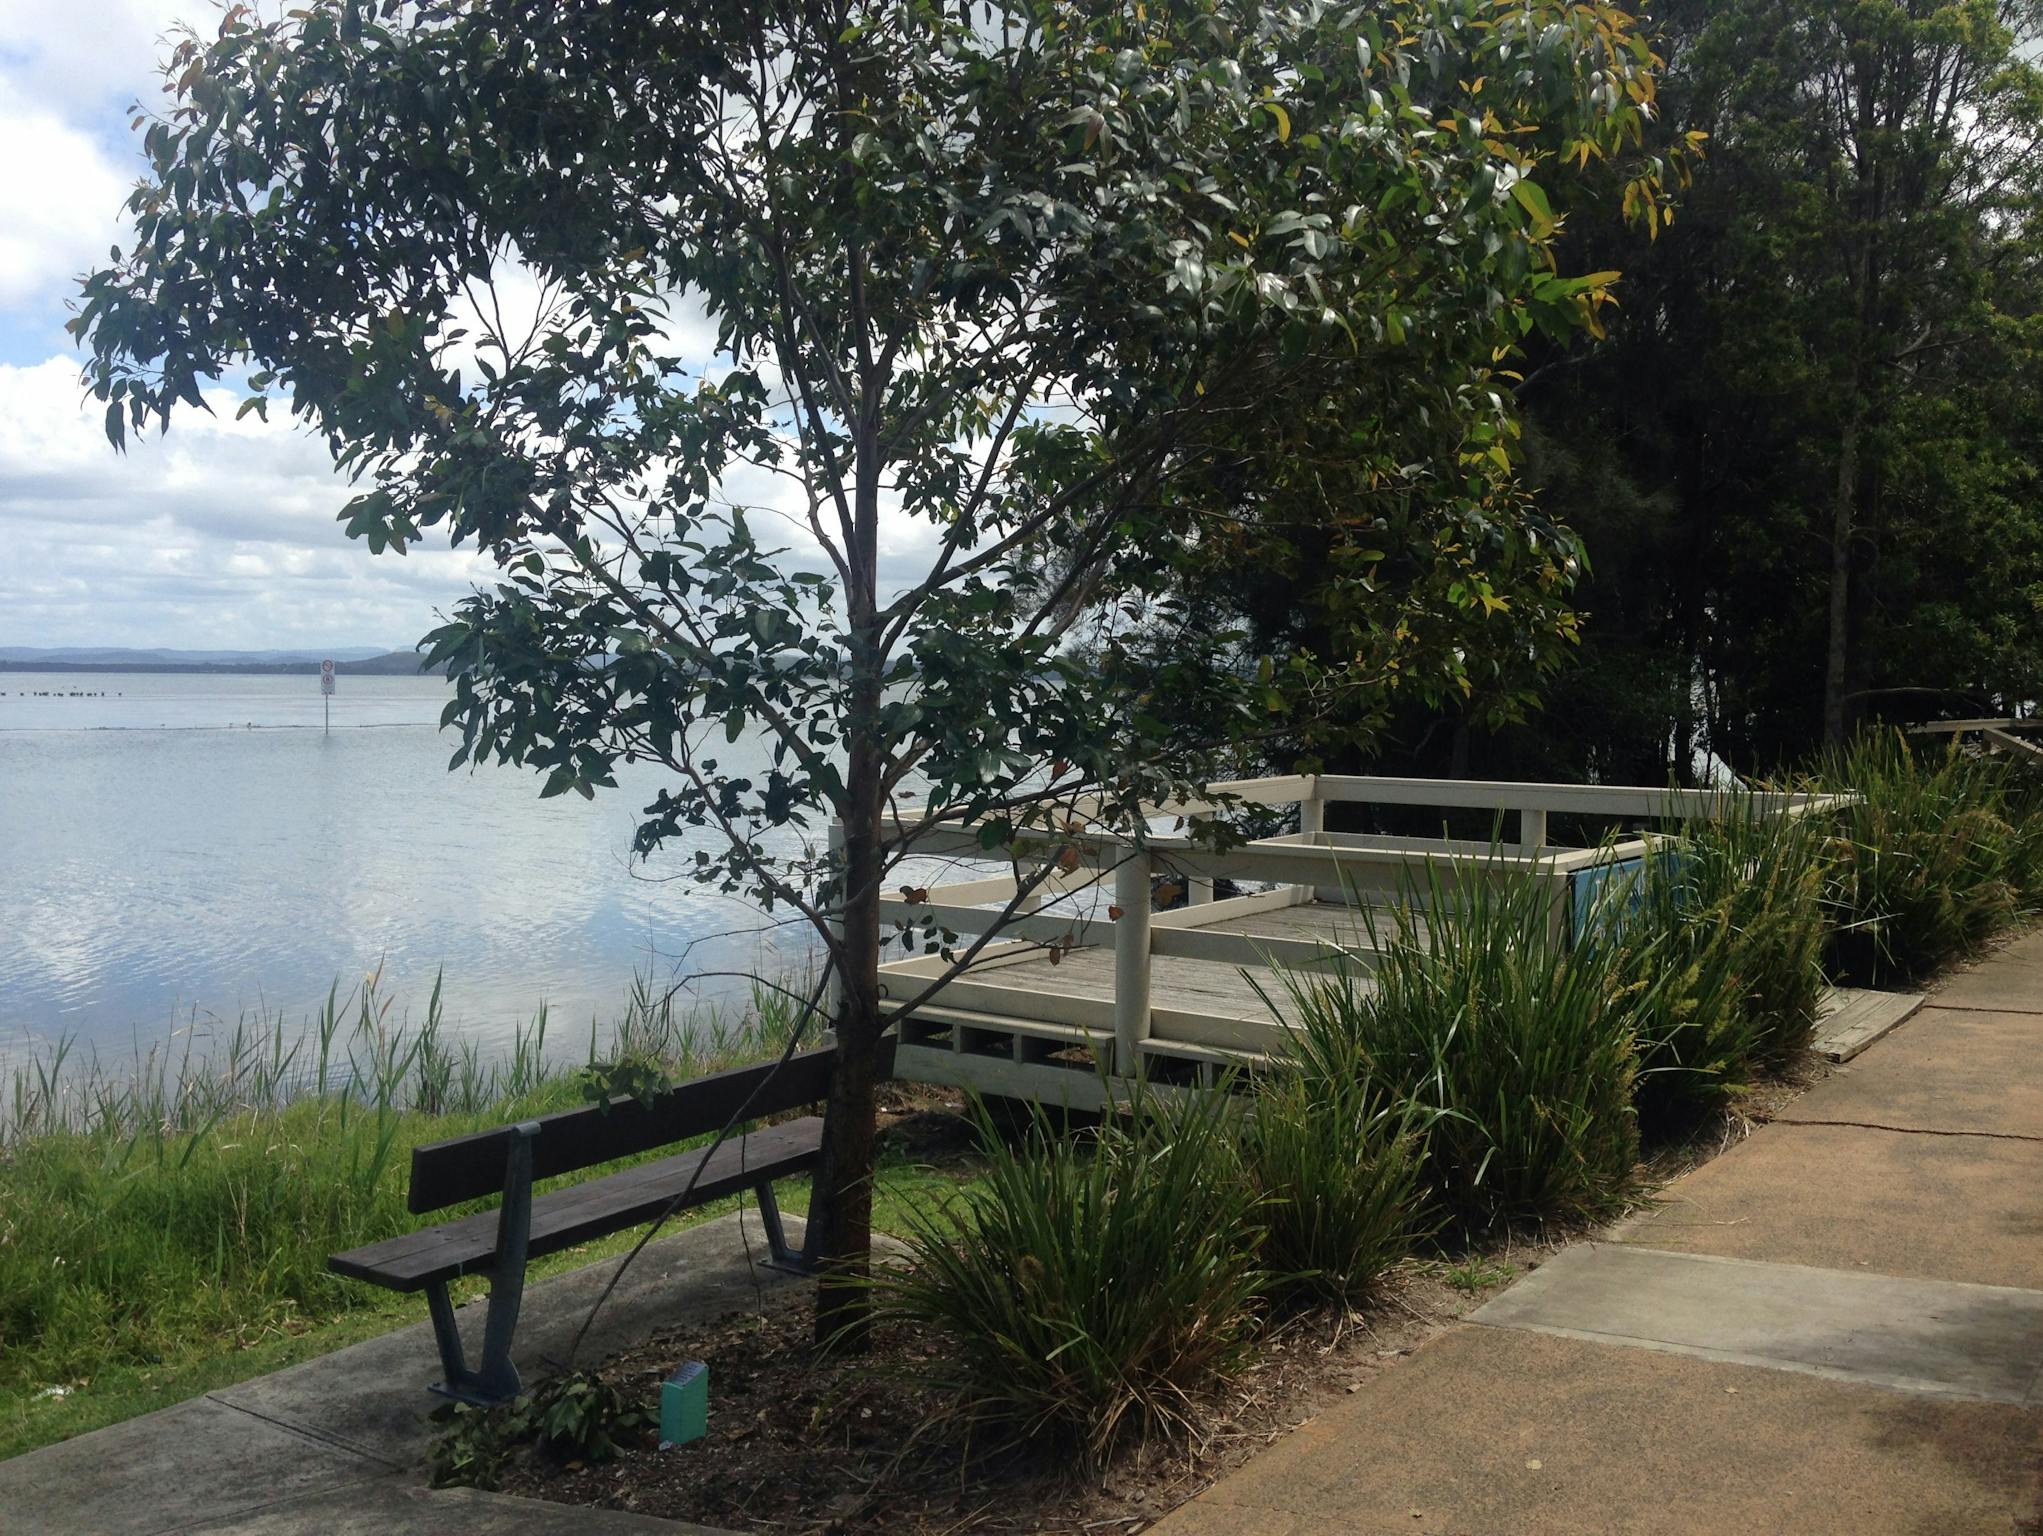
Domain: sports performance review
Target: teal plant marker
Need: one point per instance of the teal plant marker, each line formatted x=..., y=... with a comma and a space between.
x=684, y=1405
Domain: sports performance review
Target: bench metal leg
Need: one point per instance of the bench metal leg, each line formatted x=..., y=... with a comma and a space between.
x=494, y=1379
x=781, y=1256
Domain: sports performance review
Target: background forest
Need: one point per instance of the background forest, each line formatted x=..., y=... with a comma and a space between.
x=1803, y=464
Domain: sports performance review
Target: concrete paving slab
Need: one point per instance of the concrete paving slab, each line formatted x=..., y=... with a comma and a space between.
x=1498, y=1432
x=372, y=1397
x=1976, y=1341
x=391, y=1508
x=167, y=1470
x=1947, y=1070
x=2011, y=981
x=2025, y=950
x=1966, y=1208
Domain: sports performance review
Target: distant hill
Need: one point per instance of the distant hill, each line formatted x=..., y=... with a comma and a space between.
x=123, y=656
x=352, y=661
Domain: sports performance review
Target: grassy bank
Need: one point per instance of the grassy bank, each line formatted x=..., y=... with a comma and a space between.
x=165, y=1220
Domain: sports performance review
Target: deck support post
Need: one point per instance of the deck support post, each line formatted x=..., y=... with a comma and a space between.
x=1131, y=960
x=1531, y=832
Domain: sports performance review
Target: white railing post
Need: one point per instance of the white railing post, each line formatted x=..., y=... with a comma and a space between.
x=1312, y=820
x=1531, y=832
x=1131, y=961
x=1198, y=888
x=1312, y=811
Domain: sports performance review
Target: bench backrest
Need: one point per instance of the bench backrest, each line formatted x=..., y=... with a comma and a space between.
x=471, y=1167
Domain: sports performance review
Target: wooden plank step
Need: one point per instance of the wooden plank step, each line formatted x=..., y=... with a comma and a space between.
x=582, y=1212
x=1851, y=1018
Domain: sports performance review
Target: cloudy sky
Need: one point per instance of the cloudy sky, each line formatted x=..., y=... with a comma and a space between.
x=221, y=535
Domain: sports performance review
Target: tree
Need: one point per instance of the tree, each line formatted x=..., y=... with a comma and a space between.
x=1829, y=368
x=1062, y=287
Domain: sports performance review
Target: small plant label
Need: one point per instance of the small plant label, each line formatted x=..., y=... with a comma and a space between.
x=684, y=1405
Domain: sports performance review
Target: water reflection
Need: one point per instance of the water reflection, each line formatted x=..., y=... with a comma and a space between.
x=196, y=842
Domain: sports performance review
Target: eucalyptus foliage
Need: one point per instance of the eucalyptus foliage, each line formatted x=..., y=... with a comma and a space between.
x=887, y=363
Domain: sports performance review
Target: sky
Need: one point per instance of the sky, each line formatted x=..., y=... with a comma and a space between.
x=222, y=534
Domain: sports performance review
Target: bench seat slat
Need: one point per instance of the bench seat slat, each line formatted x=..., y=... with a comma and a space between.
x=581, y=1212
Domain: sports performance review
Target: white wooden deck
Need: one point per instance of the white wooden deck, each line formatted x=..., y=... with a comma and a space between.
x=1082, y=983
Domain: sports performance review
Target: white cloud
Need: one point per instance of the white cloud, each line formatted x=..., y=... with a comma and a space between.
x=68, y=74
x=60, y=208
x=84, y=60
x=221, y=533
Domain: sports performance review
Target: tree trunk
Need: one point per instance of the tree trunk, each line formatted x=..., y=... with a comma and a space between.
x=1865, y=270
x=843, y=1186
x=1843, y=543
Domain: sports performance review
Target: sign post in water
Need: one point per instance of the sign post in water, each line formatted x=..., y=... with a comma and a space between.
x=326, y=692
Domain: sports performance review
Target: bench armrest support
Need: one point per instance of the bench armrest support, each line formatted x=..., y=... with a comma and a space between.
x=494, y=1379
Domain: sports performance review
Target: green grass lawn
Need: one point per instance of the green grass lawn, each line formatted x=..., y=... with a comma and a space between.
x=143, y=1369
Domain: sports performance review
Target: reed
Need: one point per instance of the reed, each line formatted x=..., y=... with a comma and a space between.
x=182, y=1202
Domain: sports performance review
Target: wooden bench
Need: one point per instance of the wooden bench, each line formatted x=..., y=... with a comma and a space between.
x=507, y=1159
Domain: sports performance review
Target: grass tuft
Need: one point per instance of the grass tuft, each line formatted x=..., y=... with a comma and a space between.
x=1092, y=1289
x=1939, y=850
x=1522, y=1059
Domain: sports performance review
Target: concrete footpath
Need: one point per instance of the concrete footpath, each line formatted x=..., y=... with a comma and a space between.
x=335, y=1446
x=1837, y=1326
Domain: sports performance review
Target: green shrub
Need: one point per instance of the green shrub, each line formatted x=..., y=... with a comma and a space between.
x=1338, y=1163
x=1091, y=1289
x=1925, y=863
x=571, y=1417
x=1521, y=1054
x=1722, y=959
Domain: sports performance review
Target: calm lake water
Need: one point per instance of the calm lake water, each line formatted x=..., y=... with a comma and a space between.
x=192, y=845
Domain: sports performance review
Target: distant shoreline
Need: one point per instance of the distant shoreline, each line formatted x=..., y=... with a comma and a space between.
x=397, y=664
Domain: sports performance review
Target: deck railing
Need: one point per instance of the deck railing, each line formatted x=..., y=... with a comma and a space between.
x=1994, y=736
x=1308, y=866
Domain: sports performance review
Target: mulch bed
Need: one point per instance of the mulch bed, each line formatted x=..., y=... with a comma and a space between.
x=802, y=1444
x=809, y=1444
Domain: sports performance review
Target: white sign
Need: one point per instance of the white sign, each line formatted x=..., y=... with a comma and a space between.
x=326, y=678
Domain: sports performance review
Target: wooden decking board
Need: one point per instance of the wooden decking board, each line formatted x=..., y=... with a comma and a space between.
x=1851, y=1018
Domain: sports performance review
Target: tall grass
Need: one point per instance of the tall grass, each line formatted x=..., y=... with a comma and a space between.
x=1938, y=849
x=1721, y=948
x=186, y=1200
x=1091, y=1289
x=1338, y=1164
x=1520, y=1053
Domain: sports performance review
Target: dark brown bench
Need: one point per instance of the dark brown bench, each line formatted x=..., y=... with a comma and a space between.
x=506, y=1160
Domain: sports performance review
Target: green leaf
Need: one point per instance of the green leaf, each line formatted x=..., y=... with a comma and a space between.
x=1532, y=198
